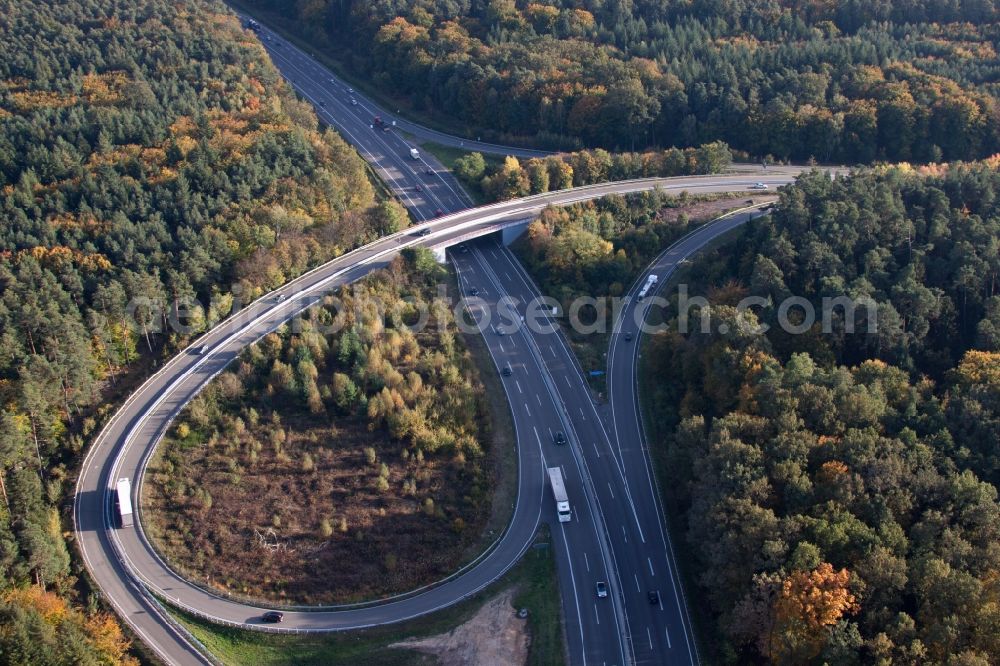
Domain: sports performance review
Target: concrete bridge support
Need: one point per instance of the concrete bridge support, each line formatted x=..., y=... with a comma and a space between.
x=513, y=231
x=510, y=232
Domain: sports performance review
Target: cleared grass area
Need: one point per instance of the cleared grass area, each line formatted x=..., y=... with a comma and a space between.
x=448, y=154
x=539, y=593
x=537, y=590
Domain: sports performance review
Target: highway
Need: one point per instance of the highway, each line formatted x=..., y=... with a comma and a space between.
x=594, y=627
x=627, y=436
x=116, y=557
x=307, y=71
x=656, y=632
x=423, y=185
x=619, y=629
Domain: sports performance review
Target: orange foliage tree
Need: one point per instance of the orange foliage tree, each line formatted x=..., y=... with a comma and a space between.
x=101, y=634
x=809, y=603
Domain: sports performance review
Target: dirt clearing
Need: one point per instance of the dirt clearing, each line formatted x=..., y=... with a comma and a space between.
x=712, y=208
x=493, y=636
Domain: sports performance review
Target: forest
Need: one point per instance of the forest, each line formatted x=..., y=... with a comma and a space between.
x=597, y=248
x=538, y=175
x=841, y=82
x=833, y=494
x=838, y=491
x=379, y=434
x=150, y=157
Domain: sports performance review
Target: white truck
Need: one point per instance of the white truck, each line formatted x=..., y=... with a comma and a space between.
x=123, y=490
x=414, y=153
x=650, y=283
x=559, y=492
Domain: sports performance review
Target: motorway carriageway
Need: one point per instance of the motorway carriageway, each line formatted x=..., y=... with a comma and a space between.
x=117, y=558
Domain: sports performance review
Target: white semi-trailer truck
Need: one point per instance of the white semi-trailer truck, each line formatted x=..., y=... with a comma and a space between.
x=559, y=492
x=650, y=283
x=124, y=491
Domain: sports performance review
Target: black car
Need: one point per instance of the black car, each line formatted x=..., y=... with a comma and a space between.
x=474, y=291
x=425, y=232
x=654, y=597
x=628, y=337
x=272, y=617
x=559, y=438
x=506, y=372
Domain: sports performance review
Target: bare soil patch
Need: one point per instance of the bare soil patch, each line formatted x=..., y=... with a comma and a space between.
x=494, y=636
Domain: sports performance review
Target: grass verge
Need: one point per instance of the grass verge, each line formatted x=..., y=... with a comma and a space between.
x=503, y=442
x=539, y=593
x=538, y=590
x=447, y=155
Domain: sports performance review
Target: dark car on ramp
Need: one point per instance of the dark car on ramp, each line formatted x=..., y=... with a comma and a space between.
x=272, y=617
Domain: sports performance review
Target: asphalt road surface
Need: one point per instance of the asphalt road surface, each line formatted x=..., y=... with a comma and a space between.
x=282, y=50
x=657, y=633
x=613, y=630
x=626, y=433
x=593, y=625
x=424, y=186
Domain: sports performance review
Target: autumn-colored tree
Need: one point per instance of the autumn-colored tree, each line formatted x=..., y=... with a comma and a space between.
x=983, y=368
x=810, y=602
x=39, y=627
